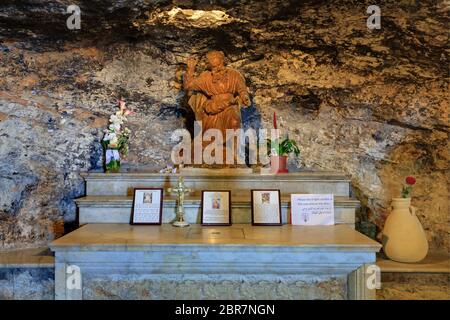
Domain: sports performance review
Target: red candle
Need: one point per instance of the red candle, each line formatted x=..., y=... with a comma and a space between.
x=274, y=120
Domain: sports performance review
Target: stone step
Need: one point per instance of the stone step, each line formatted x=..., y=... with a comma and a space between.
x=117, y=209
x=27, y=258
x=428, y=279
x=121, y=184
x=27, y=274
x=434, y=262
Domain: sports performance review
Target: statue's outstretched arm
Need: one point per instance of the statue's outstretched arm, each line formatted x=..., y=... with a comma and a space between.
x=189, y=81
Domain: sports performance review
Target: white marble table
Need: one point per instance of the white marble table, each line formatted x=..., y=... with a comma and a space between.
x=237, y=262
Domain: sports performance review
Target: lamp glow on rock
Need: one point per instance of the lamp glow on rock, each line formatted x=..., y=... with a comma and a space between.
x=404, y=239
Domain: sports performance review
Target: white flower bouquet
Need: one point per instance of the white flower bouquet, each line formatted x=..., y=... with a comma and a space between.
x=116, y=138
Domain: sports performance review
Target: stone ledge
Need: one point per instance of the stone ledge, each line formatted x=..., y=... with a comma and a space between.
x=122, y=184
x=27, y=258
x=435, y=262
x=117, y=209
x=303, y=176
x=237, y=201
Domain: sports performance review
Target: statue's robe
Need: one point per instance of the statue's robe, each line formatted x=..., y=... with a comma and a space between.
x=218, y=99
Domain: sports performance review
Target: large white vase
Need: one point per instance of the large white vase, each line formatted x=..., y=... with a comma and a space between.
x=403, y=237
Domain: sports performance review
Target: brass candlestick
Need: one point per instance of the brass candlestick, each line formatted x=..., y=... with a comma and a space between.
x=180, y=190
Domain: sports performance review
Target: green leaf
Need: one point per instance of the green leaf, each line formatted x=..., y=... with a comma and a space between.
x=284, y=147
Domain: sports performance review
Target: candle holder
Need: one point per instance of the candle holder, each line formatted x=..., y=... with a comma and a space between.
x=180, y=190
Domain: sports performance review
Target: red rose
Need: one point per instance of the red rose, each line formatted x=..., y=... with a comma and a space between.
x=410, y=180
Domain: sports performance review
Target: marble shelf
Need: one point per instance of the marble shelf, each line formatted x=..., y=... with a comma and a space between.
x=195, y=198
x=117, y=209
x=98, y=184
x=108, y=195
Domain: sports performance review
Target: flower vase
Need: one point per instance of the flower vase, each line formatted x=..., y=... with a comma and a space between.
x=278, y=164
x=112, y=160
x=404, y=239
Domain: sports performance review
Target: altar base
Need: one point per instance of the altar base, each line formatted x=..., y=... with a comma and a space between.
x=119, y=261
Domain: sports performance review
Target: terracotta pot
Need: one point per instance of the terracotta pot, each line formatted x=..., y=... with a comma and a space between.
x=278, y=164
x=403, y=237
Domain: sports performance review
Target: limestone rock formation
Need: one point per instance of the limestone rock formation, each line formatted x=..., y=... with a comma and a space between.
x=370, y=103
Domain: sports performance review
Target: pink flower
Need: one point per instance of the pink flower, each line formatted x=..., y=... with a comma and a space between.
x=410, y=180
x=122, y=104
x=123, y=108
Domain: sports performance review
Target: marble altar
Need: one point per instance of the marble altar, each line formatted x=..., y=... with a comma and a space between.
x=120, y=261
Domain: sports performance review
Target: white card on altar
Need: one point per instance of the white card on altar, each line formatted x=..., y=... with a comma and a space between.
x=312, y=209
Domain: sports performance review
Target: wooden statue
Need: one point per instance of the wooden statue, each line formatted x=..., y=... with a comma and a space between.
x=216, y=95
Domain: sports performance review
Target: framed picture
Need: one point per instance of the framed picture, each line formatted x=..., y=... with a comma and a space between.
x=266, y=208
x=216, y=208
x=147, y=206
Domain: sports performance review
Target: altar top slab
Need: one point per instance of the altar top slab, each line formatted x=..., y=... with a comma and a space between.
x=124, y=237
x=306, y=175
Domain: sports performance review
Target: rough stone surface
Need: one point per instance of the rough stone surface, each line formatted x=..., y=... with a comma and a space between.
x=27, y=284
x=397, y=286
x=370, y=103
x=213, y=288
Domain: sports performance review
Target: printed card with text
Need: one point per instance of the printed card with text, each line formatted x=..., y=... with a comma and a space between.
x=312, y=209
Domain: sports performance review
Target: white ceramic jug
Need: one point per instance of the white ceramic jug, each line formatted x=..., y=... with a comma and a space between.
x=404, y=239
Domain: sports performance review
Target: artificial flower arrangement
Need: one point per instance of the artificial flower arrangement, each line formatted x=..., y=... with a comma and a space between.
x=116, y=138
x=408, y=186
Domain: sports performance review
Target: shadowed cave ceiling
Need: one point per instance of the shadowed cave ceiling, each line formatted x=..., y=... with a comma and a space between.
x=370, y=103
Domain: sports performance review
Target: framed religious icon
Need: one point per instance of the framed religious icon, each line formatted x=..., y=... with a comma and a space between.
x=147, y=206
x=216, y=208
x=266, y=207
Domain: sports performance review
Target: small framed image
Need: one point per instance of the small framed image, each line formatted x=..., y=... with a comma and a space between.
x=266, y=207
x=147, y=206
x=216, y=208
